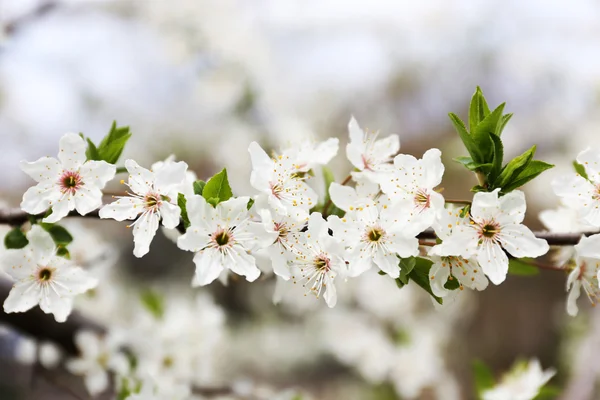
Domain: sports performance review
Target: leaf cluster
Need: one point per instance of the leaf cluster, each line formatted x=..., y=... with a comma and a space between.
x=111, y=147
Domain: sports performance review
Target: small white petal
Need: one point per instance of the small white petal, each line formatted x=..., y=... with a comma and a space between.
x=519, y=241
x=493, y=261
x=41, y=244
x=243, y=264
x=170, y=175
x=44, y=169
x=72, y=151
x=87, y=199
x=388, y=263
x=141, y=180
x=485, y=205
x=23, y=296
x=39, y=198
x=123, y=209
x=170, y=214
x=208, y=267
x=143, y=232
x=60, y=208
x=97, y=173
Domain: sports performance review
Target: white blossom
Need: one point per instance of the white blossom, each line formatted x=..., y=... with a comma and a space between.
x=283, y=182
x=586, y=273
x=495, y=226
x=153, y=199
x=412, y=183
x=43, y=278
x=349, y=199
x=522, y=383
x=564, y=220
x=67, y=184
x=319, y=260
x=369, y=155
x=98, y=355
x=223, y=238
x=376, y=234
x=307, y=154
x=579, y=193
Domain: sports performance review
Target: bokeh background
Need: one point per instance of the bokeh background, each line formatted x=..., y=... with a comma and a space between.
x=202, y=79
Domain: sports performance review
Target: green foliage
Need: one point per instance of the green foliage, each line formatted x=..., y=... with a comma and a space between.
x=217, y=189
x=417, y=270
x=486, y=151
x=182, y=203
x=580, y=169
x=199, y=187
x=483, y=377
x=15, y=239
x=60, y=235
x=548, y=392
x=329, y=178
x=383, y=391
x=521, y=267
x=63, y=252
x=452, y=283
x=111, y=147
x=153, y=302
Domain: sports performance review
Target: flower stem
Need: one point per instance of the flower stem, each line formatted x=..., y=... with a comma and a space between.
x=453, y=201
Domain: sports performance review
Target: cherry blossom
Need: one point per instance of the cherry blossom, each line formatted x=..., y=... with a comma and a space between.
x=495, y=226
x=153, y=199
x=41, y=277
x=67, y=184
x=222, y=238
x=522, y=383
x=586, y=273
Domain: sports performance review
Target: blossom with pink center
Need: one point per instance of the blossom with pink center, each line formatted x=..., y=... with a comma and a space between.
x=67, y=184
x=368, y=154
x=579, y=193
x=153, y=199
x=412, y=183
x=318, y=260
x=282, y=181
x=223, y=237
x=586, y=273
x=41, y=277
x=495, y=225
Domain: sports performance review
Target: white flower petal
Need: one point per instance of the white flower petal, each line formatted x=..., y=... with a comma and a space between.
x=388, y=146
x=170, y=214
x=519, y=241
x=59, y=306
x=279, y=262
x=355, y=149
x=41, y=244
x=18, y=263
x=23, y=296
x=123, y=209
x=387, y=262
x=462, y=242
x=60, y=208
x=243, y=264
x=193, y=240
x=572, y=297
x=97, y=173
x=513, y=207
x=590, y=159
x=199, y=211
x=208, y=267
x=343, y=197
x=330, y=294
x=38, y=199
x=88, y=343
x=262, y=166
x=360, y=260
x=144, y=230
x=573, y=188
x=87, y=199
x=439, y=276
x=493, y=261
x=72, y=151
x=485, y=205
x=433, y=168
x=169, y=175
x=76, y=279
x=141, y=180
x=44, y=169
x=404, y=246
x=326, y=150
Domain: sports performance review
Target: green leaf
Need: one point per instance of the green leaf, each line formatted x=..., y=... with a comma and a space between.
x=111, y=146
x=466, y=138
x=121, y=170
x=533, y=169
x=548, y=392
x=503, y=121
x=60, y=235
x=483, y=377
x=465, y=211
x=199, y=187
x=15, y=239
x=420, y=275
x=63, y=252
x=580, y=169
x=91, y=152
x=519, y=267
x=452, y=283
x=481, y=133
x=329, y=178
x=250, y=204
x=406, y=266
x=217, y=188
x=182, y=203
x=472, y=165
x=153, y=302
x=478, y=109
x=498, y=151
x=514, y=168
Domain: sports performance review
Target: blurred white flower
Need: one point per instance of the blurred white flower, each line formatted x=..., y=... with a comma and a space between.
x=523, y=382
x=564, y=220
x=495, y=225
x=282, y=182
x=154, y=196
x=43, y=278
x=308, y=154
x=375, y=234
x=222, y=238
x=69, y=183
x=369, y=155
x=98, y=355
x=49, y=354
x=579, y=193
x=319, y=259
x=412, y=182
x=586, y=273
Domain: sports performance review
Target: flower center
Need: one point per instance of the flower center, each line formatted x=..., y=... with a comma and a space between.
x=44, y=275
x=70, y=182
x=422, y=199
x=276, y=189
x=282, y=229
x=489, y=230
x=222, y=238
x=153, y=201
x=375, y=234
x=322, y=263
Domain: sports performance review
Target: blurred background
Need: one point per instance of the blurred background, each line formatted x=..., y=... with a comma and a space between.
x=202, y=79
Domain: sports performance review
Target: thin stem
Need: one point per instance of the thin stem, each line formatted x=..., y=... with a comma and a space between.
x=329, y=202
x=426, y=243
x=453, y=201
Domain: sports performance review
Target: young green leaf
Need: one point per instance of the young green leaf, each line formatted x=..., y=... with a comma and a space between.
x=153, y=302
x=514, y=168
x=199, y=187
x=503, y=121
x=182, y=203
x=60, y=235
x=406, y=266
x=519, y=267
x=483, y=377
x=420, y=275
x=15, y=239
x=329, y=178
x=466, y=138
x=498, y=151
x=63, y=252
x=478, y=109
x=533, y=169
x=91, y=152
x=217, y=188
x=481, y=133
x=580, y=169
